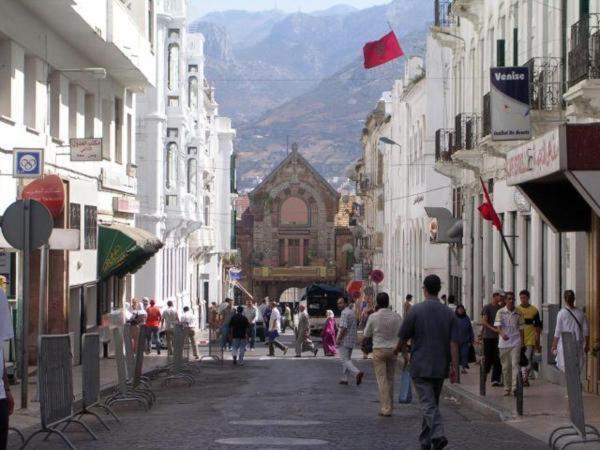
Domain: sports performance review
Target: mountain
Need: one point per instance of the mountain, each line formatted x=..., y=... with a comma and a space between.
x=300, y=75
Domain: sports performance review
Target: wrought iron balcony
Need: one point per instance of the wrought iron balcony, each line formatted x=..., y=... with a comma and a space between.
x=444, y=145
x=443, y=14
x=546, y=87
x=584, y=54
x=466, y=128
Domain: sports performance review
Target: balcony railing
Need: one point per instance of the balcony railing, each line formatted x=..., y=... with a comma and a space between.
x=443, y=14
x=584, y=54
x=444, y=145
x=546, y=87
x=466, y=127
x=486, y=119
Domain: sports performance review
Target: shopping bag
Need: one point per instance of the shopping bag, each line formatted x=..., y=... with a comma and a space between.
x=405, y=387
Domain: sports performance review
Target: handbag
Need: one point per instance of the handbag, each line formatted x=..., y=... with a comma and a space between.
x=405, y=387
x=472, y=357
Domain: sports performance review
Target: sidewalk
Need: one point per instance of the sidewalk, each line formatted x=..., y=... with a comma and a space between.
x=26, y=418
x=545, y=405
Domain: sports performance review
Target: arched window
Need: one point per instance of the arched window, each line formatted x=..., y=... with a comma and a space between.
x=171, y=165
x=294, y=212
x=193, y=93
x=192, y=175
x=173, y=69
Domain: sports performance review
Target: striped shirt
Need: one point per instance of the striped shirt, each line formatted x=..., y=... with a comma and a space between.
x=348, y=321
x=383, y=326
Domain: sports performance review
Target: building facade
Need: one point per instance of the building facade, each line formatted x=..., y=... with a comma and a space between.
x=186, y=198
x=60, y=83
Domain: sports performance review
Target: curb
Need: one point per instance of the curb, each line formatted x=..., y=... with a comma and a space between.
x=478, y=403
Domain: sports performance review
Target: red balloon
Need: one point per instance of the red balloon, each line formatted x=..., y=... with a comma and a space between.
x=376, y=276
x=49, y=191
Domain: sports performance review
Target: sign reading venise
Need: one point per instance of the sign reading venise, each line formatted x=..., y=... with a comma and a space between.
x=509, y=103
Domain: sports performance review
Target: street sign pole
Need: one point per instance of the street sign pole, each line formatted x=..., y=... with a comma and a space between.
x=25, y=303
x=43, y=299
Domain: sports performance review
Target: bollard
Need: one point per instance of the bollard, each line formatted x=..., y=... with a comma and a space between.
x=482, y=377
x=519, y=393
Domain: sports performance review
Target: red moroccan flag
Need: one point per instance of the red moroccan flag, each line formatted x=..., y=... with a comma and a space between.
x=487, y=210
x=381, y=51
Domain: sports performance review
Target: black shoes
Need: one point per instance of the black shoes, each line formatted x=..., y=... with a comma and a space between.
x=439, y=444
x=359, y=377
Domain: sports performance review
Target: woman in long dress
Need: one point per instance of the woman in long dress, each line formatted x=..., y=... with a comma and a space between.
x=571, y=319
x=329, y=334
x=465, y=336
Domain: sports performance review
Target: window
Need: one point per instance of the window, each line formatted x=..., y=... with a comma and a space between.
x=193, y=93
x=173, y=101
x=172, y=132
x=173, y=68
x=192, y=151
x=75, y=216
x=206, y=211
x=192, y=175
x=294, y=211
x=173, y=33
x=171, y=165
x=91, y=227
x=106, y=122
x=193, y=68
x=118, y=130
x=171, y=200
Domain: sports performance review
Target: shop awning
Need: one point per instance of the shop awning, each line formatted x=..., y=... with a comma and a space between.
x=123, y=249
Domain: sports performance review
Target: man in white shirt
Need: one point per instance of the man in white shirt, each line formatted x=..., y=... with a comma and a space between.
x=510, y=324
x=169, y=319
x=275, y=330
x=189, y=321
x=383, y=326
x=7, y=402
x=571, y=319
x=251, y=313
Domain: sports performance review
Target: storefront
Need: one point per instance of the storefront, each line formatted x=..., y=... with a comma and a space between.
x=559, y=173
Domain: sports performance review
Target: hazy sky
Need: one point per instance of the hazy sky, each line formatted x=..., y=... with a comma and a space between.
x=204, y=6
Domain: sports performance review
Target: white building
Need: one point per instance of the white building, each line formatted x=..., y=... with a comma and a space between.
x=185, y=171
x=60, y=82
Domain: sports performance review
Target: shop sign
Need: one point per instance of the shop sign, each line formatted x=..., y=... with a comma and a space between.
x=509, y=103
x=126, y=205
x=86, y=149
x=536, y=159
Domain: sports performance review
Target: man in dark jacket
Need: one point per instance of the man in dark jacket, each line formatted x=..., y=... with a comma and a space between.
x=238, y=330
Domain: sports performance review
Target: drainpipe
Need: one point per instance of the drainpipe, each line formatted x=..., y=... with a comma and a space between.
x=563, y=40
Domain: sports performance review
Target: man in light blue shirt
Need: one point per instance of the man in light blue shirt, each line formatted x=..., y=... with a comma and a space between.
x=346, y=341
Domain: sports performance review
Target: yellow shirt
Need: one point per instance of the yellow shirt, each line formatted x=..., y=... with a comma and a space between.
x=531, y=316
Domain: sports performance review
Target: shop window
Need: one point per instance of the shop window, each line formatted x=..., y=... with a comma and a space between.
x=75, y=216
x=91, y=228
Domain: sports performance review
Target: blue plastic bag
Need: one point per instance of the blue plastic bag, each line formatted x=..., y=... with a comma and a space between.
x=405, y=387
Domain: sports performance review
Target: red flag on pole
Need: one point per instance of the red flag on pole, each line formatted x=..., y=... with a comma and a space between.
x=487, y=210
x=381, y=51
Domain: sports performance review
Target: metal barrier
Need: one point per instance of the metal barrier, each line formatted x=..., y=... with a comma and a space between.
x=125, y=393
x=178, y=371
x=519, y=393
x=215, y=351
x=18, y=433
x=579, y=431
x=482, y=376
x=129, y=356
x=55, y=385
x=90, y=379
x=139, y=381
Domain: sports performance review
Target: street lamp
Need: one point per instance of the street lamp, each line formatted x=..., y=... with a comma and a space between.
x=388, y=141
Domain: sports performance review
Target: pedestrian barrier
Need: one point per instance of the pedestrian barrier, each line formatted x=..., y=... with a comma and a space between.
x=215, y=350
x=125, y=393
x=482, y=376
x=178, y=370
x=90, y=379
x=139, y=381
x=129, y=356
x=18, y=433
x=579, y=432
x=55, y=385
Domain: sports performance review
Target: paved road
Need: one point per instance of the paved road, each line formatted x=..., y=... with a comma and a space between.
x=285, y=403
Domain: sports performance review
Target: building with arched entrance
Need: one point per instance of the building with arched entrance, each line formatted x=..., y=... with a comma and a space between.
x=287, y=235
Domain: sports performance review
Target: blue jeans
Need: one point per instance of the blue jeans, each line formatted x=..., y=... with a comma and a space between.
x=152, y=338
x=238, y=349
x=252, y=334
x=225, y=336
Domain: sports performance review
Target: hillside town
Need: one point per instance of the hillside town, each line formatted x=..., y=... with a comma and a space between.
x=183, y=264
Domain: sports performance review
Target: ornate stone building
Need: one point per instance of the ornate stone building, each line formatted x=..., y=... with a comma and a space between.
x=287, y=236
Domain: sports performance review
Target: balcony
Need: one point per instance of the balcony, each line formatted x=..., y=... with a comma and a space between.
x=444, y=148
x=583, y=96
x=308, y=274
x=466, y=131
x=546, y=90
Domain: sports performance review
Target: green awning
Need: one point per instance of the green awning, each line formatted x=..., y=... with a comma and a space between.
x=123, y=249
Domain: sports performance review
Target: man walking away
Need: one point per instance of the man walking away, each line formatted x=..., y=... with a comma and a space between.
x=383, y=327
x=251, y=313
x=346, y=341
x=287, y=318
x=238, y=328
x=431, y=326
x=226, y=313
x=571, y=319
x=169, y=319
x=490, y=337
x=303, y=341
x=153, y=323
x=275, y=330
x=188, y=320
x=532, y=331
x=510, y=328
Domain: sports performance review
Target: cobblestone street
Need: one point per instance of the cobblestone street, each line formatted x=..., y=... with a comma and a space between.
x=281, y=403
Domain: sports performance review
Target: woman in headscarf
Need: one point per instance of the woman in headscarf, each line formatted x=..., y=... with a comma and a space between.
x=328, y=335
x=465, y=336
